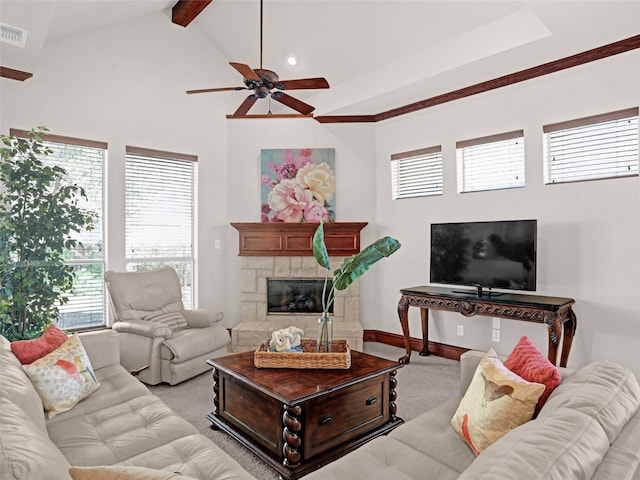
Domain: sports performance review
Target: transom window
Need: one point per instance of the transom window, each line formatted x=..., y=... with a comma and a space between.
x=491, y=163
x=596, y=147
x=417, y=173
x=160, y=203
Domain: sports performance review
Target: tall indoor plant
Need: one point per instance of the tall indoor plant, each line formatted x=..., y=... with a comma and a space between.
x=38, y=213
x=351, y=268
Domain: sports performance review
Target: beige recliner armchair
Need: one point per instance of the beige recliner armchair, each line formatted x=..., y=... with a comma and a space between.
x=156, y=330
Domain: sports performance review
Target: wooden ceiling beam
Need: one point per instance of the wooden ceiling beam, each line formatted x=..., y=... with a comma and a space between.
x=19, y=75
x=184, y=11
x=598, y=53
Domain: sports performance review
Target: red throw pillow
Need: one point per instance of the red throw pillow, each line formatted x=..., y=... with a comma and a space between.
x=531, y=364
x=29, y=351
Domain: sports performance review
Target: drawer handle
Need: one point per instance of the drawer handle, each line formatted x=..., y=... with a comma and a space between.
x=371, y=400
x=324, y=420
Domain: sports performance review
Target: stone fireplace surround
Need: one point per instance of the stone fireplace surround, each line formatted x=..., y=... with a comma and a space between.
x=284, y=250
x=256, y=324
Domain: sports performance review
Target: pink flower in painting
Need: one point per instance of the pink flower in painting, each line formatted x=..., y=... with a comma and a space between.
x=289, y=201
x=315, y=212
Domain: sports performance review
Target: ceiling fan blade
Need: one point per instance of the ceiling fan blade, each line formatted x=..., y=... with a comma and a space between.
x=245, y=106
x=305, y=83
x=294, y=103
x=246, y=71
x=223, y=89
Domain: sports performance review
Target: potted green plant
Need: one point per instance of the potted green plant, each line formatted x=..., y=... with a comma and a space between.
x=351, y=268
x=38, y=213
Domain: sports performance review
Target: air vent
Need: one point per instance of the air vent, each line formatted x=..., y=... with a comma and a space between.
x=13, y=35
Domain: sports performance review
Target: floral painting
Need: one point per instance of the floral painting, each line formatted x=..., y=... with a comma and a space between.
x=298, y=185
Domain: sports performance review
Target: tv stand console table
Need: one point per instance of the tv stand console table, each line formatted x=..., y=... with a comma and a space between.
x=554, y=312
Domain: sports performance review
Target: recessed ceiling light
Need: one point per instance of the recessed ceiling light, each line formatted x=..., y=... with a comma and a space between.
x=292, y=60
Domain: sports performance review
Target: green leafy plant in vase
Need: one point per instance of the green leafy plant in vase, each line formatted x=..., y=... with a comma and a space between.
x=351, y=268
x=38, y=213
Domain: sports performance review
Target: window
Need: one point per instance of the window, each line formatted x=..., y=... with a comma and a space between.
x=417, y=173
x=491, y=163
x=84, y=162
x=160, y=203
x=601, y=146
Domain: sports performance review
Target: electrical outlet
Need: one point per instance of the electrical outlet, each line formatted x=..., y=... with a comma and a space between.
x=495, y=335
x=461, y=330
x=496, y=323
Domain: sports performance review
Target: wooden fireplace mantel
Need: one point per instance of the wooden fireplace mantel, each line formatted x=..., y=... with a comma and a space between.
x=284, y=239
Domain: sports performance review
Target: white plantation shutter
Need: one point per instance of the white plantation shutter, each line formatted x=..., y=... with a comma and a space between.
x=84, y=161
x=491, y=163
x=417, y=173
x=160, y=203
x=600, y=146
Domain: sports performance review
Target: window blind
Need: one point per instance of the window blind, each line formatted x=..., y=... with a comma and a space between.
x=491, y=163
x=417, y=173
x=596, y=147
x=160, y=204
x=84, y=162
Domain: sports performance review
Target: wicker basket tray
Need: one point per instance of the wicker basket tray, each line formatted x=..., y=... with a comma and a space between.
x=339, y=357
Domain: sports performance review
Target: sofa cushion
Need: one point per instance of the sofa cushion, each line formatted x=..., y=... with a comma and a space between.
x=385, y=458
x=116, y=386
x=63, y=377
x=29, y=351
x=110, y=472
x=622, y=460
x=603, y=390
x=173, y=320
x=17, y=387
x=431, y=434
x=565, y=445
x=113, y=434
x=26, y=452
x=531, y=364
x=497, y=401
x=193, y=455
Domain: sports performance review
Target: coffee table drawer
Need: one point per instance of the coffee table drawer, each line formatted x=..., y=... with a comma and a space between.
x=346, y=413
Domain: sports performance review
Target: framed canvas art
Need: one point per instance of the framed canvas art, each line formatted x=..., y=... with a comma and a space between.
x=298, y=185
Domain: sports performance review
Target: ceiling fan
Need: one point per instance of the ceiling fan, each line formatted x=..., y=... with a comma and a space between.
x=266, y=83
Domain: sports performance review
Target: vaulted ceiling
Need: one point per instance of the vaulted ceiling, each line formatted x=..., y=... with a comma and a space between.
x=377, y=55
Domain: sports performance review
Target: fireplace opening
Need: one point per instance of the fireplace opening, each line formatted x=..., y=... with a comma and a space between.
x=296, y=296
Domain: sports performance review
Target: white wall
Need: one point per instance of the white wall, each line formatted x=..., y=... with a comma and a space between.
x=588, y=233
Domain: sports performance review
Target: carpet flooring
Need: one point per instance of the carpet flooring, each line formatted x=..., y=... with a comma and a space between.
x=422, y=384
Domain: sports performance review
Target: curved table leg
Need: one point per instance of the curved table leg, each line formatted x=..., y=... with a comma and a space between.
x=569, y=330
x=403, y=314
x=424, y=316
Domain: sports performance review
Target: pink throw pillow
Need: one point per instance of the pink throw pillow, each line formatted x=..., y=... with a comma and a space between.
x=532, y=365
x=28, y=351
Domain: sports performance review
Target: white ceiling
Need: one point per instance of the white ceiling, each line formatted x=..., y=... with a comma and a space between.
x=376, y=55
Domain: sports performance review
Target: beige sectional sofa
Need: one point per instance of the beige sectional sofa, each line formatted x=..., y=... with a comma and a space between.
x=120, y=423
x=588, y=429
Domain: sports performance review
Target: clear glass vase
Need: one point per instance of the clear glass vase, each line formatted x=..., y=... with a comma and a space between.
x=325, y=333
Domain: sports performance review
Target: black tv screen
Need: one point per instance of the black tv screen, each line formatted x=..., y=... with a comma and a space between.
x=498, y=254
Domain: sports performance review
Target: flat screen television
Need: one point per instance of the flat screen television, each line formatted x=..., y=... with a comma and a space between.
x=484, y=255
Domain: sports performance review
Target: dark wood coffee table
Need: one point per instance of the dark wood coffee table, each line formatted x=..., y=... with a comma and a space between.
x=299, y=420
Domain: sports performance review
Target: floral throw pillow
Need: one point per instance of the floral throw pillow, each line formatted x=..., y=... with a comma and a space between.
x=496, y=402
x=29, y=351
x=63, y=377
